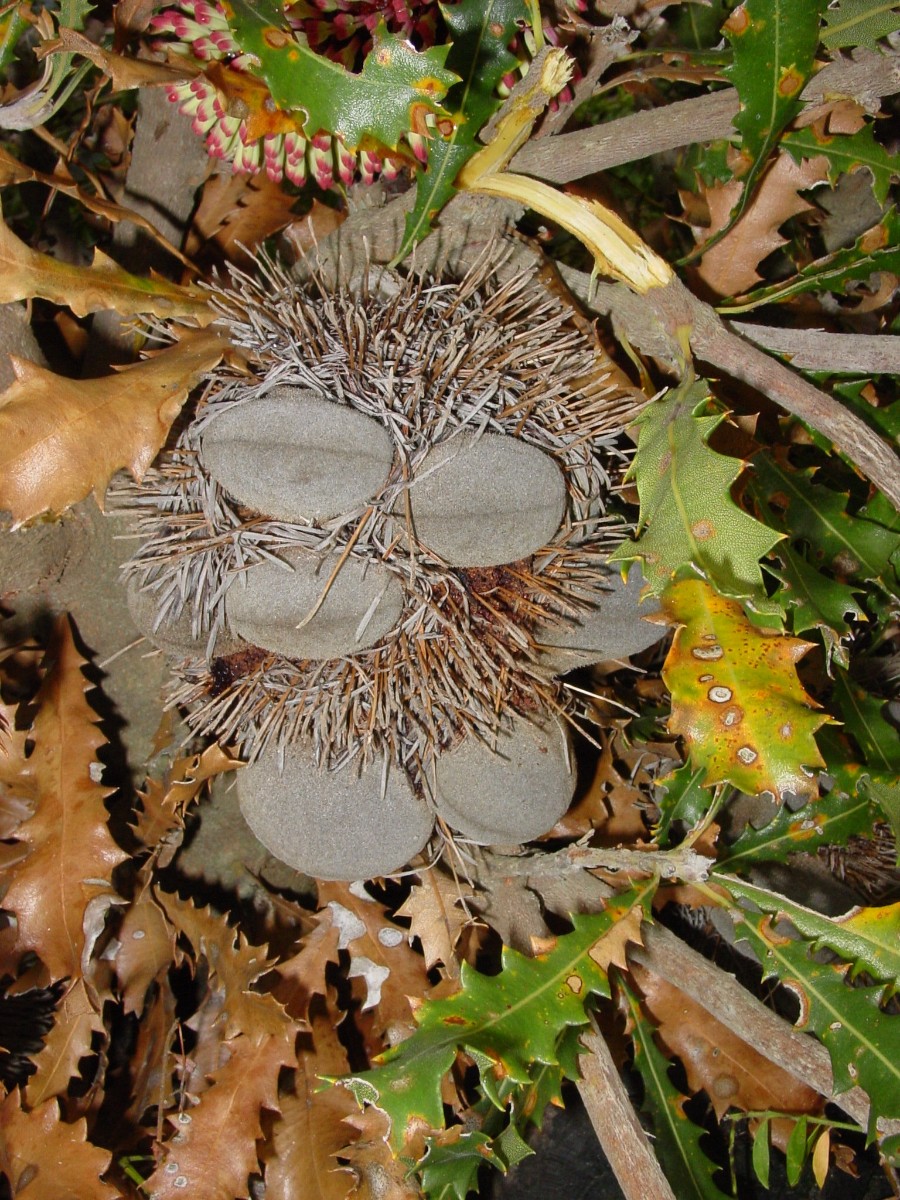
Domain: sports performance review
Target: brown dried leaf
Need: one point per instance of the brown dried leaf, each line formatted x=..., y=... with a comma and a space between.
x=437, y=915
x=731, y=1072
x=303, y=975
x=45, y=1159
x=125, y=73
x=215, y=1151
x=729, y=268
x=380, y=954
x=12, y=171
x=300, y=1156
x=67, y=1042
x=71, y=853
x=150, y=1064
x=381, y=1176
x=164, y=807
x=61, y=439
x=26, y=274
x=146, y=950
x=237, y=211
x=18, y=785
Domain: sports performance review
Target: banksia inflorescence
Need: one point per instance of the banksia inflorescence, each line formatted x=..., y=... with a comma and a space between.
x=383, y=538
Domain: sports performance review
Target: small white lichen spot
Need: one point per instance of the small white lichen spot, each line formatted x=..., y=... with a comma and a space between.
x=137, y=934
x=180, y=1182
x=96, y=772
x=171, y=1168
x=720, y=694
x=184, y=1118
x=747, y=755
x=708, y=653
x=390, y=937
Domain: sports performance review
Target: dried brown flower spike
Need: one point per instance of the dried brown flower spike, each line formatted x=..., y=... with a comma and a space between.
x=378, y=546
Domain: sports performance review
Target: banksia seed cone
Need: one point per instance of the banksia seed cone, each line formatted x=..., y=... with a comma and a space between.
x=387, y=537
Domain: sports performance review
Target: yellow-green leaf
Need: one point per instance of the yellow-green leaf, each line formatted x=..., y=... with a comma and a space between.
x=736, y=698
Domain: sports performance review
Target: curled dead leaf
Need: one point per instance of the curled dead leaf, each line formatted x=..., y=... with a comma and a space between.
x=62, y=439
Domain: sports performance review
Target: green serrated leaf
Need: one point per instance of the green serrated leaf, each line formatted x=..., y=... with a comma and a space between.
x=816, y=602
x=396, y=88
x=684, y=799
x=515, y=1019
x=863, y=715
x=850, y=546
x=480, y=33
x=878, y=249
x=736, y=698
x=687, y=515
x=860, y=23
x=886, y=794
x=760, y=1156
x=676, y=1137
x=774, y=44
x=867, y=938
x=863, y=1042
x=846, y=152
x=829, y=821
x=452, y=1162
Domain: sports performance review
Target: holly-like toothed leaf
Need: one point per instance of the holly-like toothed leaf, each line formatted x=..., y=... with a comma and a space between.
x=397, y=91
x=210, y=1150
x=76, y=1022
x=480, y=32
x=859, y=23
x=146, y=950
x=867, y=938
x=163, y=805
x=70, y=853
x=437, y=915
x=846, y=152
x=886, y=794
x=687, y=514
x=863, y=1041
x=684, y=798
x=774, y=44
x=449, y=1170
x=510, y=1021
x=45, y=1158
x=878, y=249
x=300, y=1155
x=26, y=274
x=829, y=821
x=815, y=601
x=381, y=956
x=732, y=1072
x=676, y=1139
x=849, y=545
x=736, y=698
x=864, y=717
x=62, y=439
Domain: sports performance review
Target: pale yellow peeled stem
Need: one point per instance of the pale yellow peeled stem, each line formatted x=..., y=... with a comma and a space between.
x=525, y=104
x=617, y=250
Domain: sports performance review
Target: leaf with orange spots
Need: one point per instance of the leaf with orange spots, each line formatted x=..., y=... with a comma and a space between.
x=506, y=1022
x=736, y=698
x=774, y=44
x=687, y=514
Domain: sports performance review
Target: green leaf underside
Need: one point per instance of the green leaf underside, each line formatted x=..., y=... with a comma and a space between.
x=512, y=1021
x=480, y=34
x=864, y=1043
x=850, y=546
x=816, y=602
x=863, y=715
x=829, y=821
x=774, y=44
x=687, y=515
x=676, y=1138
x=860, y=23
x=372, y=109
x=846, y=152
x=736, y=697
x=878, y=249
x=684, y=799
x=867, y=938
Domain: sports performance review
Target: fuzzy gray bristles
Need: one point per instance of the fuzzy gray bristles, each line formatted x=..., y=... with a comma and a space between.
x=425, y=360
